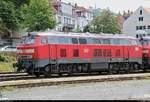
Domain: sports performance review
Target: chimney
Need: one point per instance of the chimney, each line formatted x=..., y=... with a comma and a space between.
x=124, y=13
x=128, y=11
x=76, y=5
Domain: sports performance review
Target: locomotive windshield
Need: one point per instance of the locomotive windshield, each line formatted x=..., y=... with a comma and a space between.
x=145, y=42
x=28, y=39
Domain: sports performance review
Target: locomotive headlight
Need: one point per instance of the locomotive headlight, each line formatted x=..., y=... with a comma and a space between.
x=29, y=50
x=19, y=51
x=145, y=51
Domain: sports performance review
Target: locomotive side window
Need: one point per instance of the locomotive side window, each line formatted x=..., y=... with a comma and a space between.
x=82, y=41
x=106, y=41
x=125, y=42
x=43, y=40
x=74, y=41
x=89, y=41
x=96, y=41
x=52, y=40
x=116, y=41
x=64, y=40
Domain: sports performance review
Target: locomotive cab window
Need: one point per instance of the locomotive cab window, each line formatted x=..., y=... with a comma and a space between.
x=28, y=39
x=43, y=40
x=82, y=41
x=145, y=42
x=133, y=42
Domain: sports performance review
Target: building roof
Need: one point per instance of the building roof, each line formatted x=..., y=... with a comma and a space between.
x=147, y=9
x=82, y=9
x=81, y=35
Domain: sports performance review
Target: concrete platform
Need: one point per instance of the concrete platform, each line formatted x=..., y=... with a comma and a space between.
x=52, y=81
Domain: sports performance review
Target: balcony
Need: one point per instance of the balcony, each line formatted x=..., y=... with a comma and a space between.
x=71, y=26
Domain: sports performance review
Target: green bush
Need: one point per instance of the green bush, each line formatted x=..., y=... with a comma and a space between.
x=4, y=58
x=7, y=57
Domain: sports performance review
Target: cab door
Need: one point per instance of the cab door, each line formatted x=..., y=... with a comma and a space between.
x=126, y=50
x=52, y=44
x=126, y=53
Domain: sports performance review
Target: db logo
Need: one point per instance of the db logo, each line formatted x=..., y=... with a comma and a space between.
x=136, y=49
x=86, y=50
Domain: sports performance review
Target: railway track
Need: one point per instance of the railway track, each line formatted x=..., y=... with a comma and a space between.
x=24, y=76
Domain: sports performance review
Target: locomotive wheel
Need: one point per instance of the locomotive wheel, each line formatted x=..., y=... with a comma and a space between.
x=70, y=70
x=30, y=72
x=136, y=67
x=47, y=71
x=127, y=68
x=110, y=69
x=37, y=74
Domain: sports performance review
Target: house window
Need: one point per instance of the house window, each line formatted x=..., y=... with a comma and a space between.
x=140, y=18
x=137, y=27
x=59, y=19
x=73, y=21
x=148, y=27
x=140, y=12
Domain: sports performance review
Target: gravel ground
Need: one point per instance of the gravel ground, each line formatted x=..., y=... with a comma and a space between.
x=112, y=90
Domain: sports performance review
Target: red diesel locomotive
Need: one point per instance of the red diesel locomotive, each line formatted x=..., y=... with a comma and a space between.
x=145, y=41
x=47, y=53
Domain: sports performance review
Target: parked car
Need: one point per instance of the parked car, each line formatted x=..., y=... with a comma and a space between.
x=8, y=48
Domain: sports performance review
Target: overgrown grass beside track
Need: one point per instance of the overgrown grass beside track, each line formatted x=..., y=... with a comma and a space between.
x=6, y=61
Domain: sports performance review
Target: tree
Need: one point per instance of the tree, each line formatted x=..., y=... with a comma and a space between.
x=9, y=22
x=106, y=23
x=10, y=16
x=38, y=16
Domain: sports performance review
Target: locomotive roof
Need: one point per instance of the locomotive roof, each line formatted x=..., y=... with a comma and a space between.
x=81, y=35
x=146, y=37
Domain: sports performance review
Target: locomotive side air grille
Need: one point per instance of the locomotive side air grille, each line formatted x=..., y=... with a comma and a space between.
x=75, y=52
x=63, y=53
x=118, y=53
x=97, y=52
x=107, y=53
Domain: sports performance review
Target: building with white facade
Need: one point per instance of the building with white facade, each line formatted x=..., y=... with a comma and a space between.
x=84, y=17
x=65, y=15
x=138, y=24
x=71, y=17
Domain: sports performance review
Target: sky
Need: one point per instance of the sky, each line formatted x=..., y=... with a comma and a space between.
x=114, y=5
